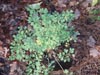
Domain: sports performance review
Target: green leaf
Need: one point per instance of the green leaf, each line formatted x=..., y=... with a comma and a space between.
x=65, y=50
x=35, y=6
x=65, y=60
x=72, y=50
x=94, y=2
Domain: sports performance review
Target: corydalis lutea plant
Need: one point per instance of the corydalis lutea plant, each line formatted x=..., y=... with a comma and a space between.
x=45, y=33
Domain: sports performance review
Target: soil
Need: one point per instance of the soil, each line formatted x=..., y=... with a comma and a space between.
x=86, y=60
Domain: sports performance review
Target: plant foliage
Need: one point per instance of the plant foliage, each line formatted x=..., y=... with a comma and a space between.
x=94, y=14
x=46, y=32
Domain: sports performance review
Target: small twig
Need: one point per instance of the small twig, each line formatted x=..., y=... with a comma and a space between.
x=58, y=62
x=5, y=52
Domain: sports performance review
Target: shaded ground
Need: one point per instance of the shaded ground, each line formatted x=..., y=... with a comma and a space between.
x=13, y=14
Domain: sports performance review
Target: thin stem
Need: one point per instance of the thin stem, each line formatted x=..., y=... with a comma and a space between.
x=58, y=62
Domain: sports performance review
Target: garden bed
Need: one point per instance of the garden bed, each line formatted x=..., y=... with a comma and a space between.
x=87, y=47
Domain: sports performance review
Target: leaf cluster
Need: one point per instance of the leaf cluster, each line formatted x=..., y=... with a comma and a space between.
x=46, y=32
